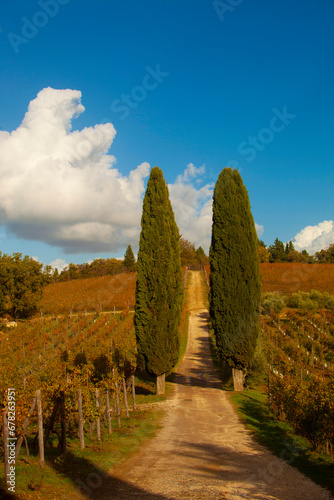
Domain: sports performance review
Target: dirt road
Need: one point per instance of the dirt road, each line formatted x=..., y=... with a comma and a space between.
x=202, y=450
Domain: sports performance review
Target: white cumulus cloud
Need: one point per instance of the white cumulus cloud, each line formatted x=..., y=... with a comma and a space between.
x=315, y=238
x=60, y=186
x=192, y=207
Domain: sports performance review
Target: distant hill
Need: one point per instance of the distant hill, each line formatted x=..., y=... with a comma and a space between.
x=288, y=278
x=291, y=277
x=108, y=292
x=91, y=294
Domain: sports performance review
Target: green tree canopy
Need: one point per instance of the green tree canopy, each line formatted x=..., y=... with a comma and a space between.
x=22, y=281
x=277, y=251
x=201, y=257
x=262, y=251
x=159, y=288
x=234, y=273
x=129, y=259
x=326, y=256
x=188, y=254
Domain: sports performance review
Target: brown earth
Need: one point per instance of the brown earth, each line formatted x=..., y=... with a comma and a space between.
x=203, y=451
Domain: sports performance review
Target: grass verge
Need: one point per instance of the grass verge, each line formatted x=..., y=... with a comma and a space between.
x=279, y=437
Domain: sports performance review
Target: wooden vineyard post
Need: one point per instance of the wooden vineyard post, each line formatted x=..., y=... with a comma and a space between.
x=62, y=422
x=40, y=428
x=24, y=428
x=81, y=426
x=125, y=397
x=108, y=412
x=98, y=421
x=133, y=391
x=5, y=445
x=118, y=413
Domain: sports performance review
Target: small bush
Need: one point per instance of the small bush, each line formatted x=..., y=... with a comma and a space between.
x=272, y=302
x=258, y=366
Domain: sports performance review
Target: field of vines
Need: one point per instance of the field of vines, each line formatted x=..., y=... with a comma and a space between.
x=62, y=355
x=293, y=277
x=300, y=352
x=82, y=340
x=288, y=278
x=106, y=293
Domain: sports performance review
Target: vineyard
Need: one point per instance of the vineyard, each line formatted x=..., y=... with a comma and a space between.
x=76, y=359
x=288, y=278
x=105, y=293
x=293, y=277
x=81, y=366
x=300, y=353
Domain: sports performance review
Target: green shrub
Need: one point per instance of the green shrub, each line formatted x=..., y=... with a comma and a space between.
x=272, y=302
x=311, y=300
x=259, y=364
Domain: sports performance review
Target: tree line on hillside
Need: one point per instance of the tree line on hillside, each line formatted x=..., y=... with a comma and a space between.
x=190, y=256
x=97, y=268
x=278, y=252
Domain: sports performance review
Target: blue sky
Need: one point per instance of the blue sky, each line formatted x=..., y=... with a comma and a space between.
x=186, y=85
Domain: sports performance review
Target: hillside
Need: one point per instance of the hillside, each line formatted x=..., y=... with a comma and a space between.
x=288, y=278
x=107, y=293
x=104, y=293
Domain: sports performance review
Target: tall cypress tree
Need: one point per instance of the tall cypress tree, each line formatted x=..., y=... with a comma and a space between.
x=234, y=275
x=159, y=288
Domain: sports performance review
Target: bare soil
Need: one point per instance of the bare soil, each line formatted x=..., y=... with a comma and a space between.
x=203, y=451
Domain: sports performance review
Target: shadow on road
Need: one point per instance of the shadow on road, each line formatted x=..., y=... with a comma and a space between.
x=229, y=466
x=201, y=371
x=92, y=482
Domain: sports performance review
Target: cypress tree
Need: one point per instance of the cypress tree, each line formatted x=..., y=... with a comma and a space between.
x=129, y=260
x=234, y=275
x=159, y=287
